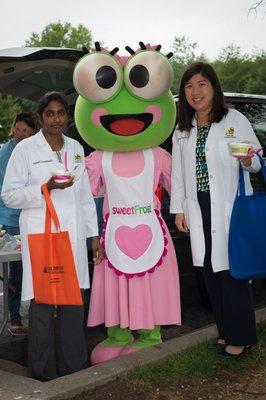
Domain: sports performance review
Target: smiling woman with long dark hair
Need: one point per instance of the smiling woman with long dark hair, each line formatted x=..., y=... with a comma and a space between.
x=204, y=186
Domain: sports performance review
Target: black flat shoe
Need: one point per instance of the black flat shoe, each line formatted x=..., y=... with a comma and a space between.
x=222, y=353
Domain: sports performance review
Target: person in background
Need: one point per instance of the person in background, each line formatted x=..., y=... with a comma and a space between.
x=204, y=185
x=56, y=343
x=24, y=125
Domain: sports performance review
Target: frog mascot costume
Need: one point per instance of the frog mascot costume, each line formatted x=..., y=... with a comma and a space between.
x=125, y=110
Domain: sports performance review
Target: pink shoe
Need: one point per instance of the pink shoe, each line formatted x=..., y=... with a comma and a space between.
x=101, y=354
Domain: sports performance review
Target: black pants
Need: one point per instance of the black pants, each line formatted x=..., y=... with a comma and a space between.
x=14, y=282
x=231, y=299
x=56, y=345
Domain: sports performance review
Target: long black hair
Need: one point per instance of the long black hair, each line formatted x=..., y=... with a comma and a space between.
x=185, y=111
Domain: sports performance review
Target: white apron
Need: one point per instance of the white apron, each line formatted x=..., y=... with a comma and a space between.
x=133, y=237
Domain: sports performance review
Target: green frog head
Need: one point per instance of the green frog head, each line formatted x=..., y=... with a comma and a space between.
x=124, y=104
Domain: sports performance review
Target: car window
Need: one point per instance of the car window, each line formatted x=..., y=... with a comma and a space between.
x=256, y=114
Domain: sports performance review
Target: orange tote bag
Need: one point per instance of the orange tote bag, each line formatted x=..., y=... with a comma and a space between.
x=52, y=263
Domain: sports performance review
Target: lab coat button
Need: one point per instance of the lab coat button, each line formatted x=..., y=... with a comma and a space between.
x=213, y=231
x=210, y=176
x=207, y=149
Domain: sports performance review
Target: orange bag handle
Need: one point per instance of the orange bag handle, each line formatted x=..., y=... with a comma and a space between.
x=50, y=211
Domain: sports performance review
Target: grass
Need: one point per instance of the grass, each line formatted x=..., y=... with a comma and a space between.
x=199, y=360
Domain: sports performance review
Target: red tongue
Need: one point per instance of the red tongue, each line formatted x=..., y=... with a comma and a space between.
x=127, y=127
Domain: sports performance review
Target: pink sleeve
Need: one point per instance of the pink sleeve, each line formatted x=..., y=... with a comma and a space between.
x=163, y=166
x=93, y=163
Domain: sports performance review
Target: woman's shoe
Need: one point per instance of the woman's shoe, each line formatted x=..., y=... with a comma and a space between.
x=222, y=353
x=17, y=330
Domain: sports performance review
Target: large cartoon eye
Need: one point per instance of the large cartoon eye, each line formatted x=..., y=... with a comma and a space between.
x=148, y=74
x=97, y=77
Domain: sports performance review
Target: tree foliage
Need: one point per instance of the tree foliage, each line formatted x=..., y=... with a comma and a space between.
x=8, y=111
x=184, y=53
x=58, y=34
x=237, y=71
x=241, y=73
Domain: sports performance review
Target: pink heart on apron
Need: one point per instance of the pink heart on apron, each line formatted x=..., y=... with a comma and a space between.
x=133, y=241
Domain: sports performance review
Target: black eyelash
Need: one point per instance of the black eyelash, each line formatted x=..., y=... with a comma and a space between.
x=114, y=51
x=97, y=46
x=128, y=48
x=131, y=51
x=142, y=46
x=85, y=50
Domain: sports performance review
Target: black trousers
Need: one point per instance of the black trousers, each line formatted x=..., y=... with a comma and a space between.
x=56, y=343
x=231, y=299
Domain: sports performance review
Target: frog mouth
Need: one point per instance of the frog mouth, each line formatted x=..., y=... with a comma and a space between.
x=126, y=124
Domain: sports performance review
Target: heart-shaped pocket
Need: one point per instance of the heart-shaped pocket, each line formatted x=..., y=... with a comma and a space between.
x=133, y=241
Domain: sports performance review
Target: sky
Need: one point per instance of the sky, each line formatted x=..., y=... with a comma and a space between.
x=212, y=24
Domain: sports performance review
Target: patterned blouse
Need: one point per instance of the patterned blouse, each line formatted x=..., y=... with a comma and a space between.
x=202, y=176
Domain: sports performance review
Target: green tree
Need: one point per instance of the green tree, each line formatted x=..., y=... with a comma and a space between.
x=241, y=73
x=257, y=83
x=58, y=34
x=233, y=68
x=8, y=110
x=184, y=53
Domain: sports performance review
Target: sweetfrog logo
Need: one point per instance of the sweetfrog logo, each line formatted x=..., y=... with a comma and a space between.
x=78, y=158
x=230, y=133
x=135, y=210
x=53, y=269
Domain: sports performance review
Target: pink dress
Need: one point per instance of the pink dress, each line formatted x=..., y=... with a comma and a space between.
x=153, y=298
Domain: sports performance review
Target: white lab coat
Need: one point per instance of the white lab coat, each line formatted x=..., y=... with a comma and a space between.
x=30, y=165
x=223, y=171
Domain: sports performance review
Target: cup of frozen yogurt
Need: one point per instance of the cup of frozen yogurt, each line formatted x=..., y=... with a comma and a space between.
x=61, y=176
x=239, y=149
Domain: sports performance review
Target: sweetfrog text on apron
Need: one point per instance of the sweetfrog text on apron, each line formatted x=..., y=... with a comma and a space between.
x=132, y=210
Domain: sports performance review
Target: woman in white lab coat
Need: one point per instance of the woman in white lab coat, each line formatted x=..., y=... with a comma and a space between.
x=204, y=186
x=32, y=164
